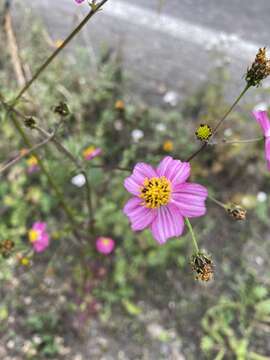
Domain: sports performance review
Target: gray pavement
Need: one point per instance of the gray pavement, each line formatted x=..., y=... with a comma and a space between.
x=171, y=48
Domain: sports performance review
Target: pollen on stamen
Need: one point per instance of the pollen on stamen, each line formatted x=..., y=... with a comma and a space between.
x=156, y=192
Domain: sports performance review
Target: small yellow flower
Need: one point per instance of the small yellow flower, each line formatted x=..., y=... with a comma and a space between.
x=24, y=261
x=168, y=146
x=203, y=132
x=119, y=105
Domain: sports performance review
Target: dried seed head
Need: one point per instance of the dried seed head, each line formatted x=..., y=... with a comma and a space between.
x=237, y=212
x=259, y=70
x=6, y=248
x=204, y=132
x=61, y=109
x=30, y=122
x=203, y=267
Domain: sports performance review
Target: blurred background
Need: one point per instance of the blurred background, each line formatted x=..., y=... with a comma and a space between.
x=138, y=80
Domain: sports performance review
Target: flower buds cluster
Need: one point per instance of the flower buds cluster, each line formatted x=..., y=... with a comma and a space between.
x=259, y=70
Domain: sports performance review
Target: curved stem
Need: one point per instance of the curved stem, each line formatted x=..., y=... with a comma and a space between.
x=219, y=203
x=195, y=244
x=59, y=49
x=203, y=146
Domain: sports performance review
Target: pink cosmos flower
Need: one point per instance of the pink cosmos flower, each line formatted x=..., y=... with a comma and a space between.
x=162, y=198
x=263, y=120
x=39, y=237
x=91, y=152
x=105, y=245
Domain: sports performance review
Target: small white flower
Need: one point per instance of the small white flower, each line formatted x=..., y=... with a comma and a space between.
x=78, y=180
x=137, y=135
x=261, y=196
x=161, y=127
x=171, y=98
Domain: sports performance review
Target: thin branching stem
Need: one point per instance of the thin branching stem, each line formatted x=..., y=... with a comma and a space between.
x=224, y=117
x=44, y=66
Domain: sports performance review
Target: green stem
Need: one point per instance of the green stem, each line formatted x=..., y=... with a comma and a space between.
x=192, y=235
x=219, y=203
x=203, y=146
x=59, y=49
x=51, y=182
x=230, y=109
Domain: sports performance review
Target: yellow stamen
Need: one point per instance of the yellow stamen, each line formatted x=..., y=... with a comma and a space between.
x=32, y=161
x=33, y=235
x=156, y=192
x=106, y=241
x=88, y=151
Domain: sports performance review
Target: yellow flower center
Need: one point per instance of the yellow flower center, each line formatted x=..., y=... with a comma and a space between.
x=33, y=235
x=156, y=192
x=106, y=241
x=88, y=151
x=32, y=161
x=203, y=132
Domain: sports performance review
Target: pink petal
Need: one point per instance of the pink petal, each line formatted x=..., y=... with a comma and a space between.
x=174, y=170
x=168, y=223
x=39, y=226
x=41, y=244
x=139, y=216
x=263, y=120
x=267, y=152
x=134, y=182
x=190, y=199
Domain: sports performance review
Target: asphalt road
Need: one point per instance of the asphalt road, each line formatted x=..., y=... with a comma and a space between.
x=169, y=46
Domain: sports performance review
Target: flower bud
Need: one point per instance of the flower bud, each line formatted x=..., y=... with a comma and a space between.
x=30, y=122
x=203, y=132
x=203, y=267
x=61, y=109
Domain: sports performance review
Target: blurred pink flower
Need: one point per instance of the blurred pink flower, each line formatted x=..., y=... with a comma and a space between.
x=32, y=165
x=91, y=152
x=263, y=120
x=105, y=245
x=39, y=237
x=79, y=1
x=162, y=198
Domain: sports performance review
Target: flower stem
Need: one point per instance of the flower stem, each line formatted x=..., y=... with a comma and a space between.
x=51, y=182
x=58, y=50
x=230, y=109
x=219, y=203
x=195, y=244
x=203, y=146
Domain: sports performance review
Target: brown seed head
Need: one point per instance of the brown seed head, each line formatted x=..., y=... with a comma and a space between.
x=237, y=212
x=259, y=70
x=203, y=267
x=61, y=109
